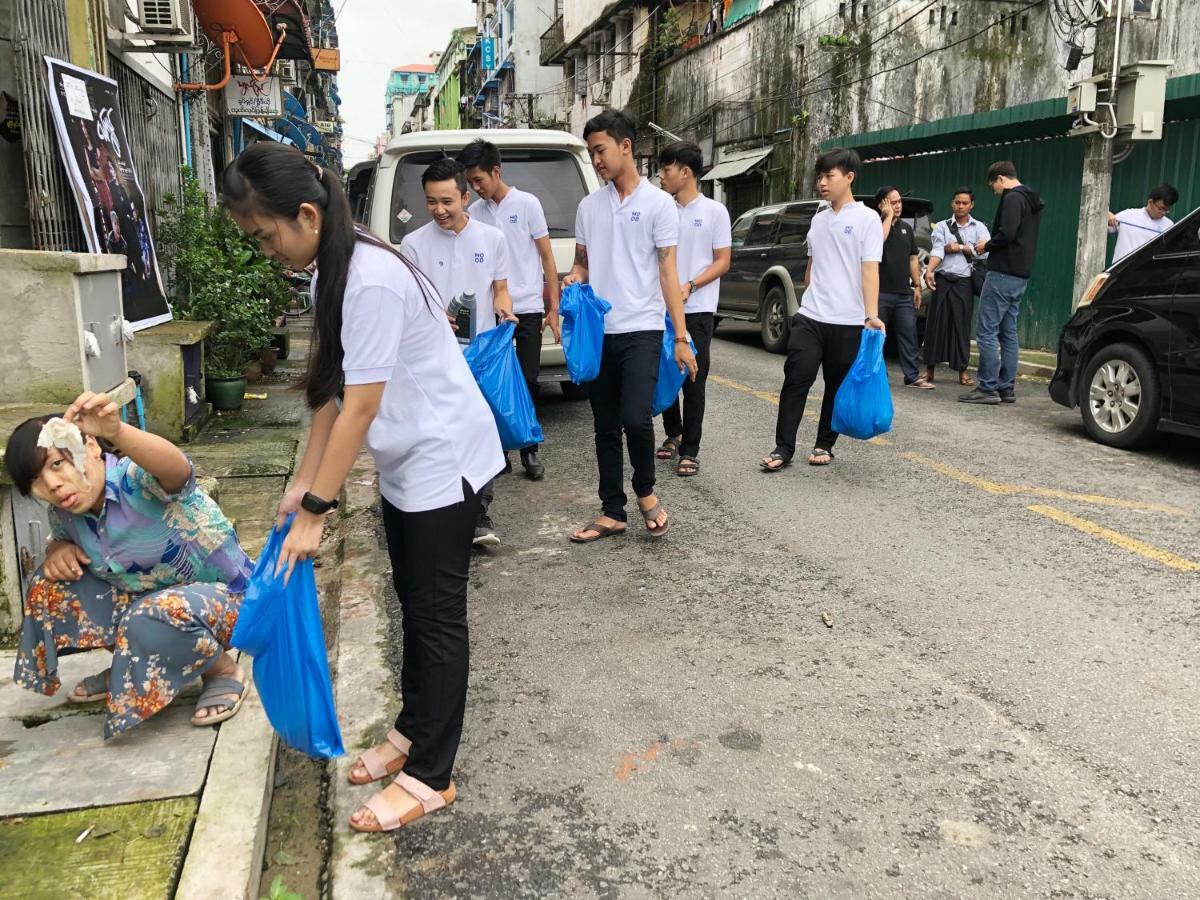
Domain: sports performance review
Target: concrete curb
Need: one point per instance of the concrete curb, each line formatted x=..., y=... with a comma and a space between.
x=1024, y=366
x=363, y=690
x=224, y=857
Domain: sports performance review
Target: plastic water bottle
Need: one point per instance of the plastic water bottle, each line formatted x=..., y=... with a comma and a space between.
x=462, y=310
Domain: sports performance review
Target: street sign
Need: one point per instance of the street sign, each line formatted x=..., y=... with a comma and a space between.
x=488, y=52
x=244, y=96
x=324, y=126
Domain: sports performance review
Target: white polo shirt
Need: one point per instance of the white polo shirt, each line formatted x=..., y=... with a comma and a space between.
x=838, y=244
x=520, y=216
x=468, y=261
x=1135, y=228
x=433, y=428
x=622, y=240
x=703, y=228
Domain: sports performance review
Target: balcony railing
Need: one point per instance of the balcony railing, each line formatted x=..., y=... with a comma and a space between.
x=552, y=42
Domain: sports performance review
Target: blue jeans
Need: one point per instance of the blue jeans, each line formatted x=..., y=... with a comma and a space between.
x=999, y=307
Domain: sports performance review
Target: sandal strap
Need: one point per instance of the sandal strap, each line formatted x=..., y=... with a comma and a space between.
x=96, y=684
x=216, y=691
x=651, y=514
x=429, y=799
x=372, y=760
x=385, y=814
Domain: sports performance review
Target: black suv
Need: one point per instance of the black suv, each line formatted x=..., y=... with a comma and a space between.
x=1129, y=357
x=766, y=275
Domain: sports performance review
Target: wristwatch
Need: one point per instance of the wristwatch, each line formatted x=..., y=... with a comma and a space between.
x=692, y=286
x=315, y=505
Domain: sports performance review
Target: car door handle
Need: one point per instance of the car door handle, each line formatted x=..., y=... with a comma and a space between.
x=763, y=255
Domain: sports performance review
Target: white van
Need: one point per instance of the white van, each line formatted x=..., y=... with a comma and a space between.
x=552, y=165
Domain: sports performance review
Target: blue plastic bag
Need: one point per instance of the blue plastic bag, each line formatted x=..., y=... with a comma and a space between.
x=493, y=361
x=280, y=626
x=670, y=379
x=863, y=405
x=582, y=330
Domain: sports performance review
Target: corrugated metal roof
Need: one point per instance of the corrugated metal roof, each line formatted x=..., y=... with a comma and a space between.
x=735, y=164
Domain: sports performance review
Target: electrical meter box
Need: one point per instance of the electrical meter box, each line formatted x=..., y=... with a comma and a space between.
x=1081, y=98
x=63, y=325
x=1141, y=98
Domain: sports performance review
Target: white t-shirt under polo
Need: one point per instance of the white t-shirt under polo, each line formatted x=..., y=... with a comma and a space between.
x=433, y=428
x=838, y=244
x=468, y=261
x=703, y=227
x=622, y=240
x=1135, y=228
x=520, y=216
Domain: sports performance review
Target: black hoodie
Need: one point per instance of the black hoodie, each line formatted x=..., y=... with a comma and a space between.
x=1015, y=232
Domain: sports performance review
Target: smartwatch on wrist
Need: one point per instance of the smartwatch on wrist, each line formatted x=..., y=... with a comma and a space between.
x=315, y=505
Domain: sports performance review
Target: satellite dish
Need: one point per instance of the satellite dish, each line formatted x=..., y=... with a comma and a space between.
x=238, y=26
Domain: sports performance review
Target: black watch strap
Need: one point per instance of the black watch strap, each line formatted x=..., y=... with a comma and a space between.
x=315, y=505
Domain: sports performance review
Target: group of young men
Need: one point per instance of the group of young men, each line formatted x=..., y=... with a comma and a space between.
x=660, y=253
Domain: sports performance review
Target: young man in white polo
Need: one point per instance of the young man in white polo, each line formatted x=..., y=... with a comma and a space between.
x=532, y=273
x=841, y=295
x=459, y=254
x=625, y=238
x=702, y=258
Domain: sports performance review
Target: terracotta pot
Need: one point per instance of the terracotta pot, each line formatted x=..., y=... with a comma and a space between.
x=268, y=359
x=254, y=371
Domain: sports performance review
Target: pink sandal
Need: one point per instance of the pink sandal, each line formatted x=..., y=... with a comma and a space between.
x=386, y=816
x=374, y=763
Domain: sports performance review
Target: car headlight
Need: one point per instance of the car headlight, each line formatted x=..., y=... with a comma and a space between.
x=1093, y=289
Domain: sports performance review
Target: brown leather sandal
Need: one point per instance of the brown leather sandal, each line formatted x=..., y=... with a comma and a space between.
x=651, y=517
x=374, y=763
x=668, y=449
x=389, y=818
x=602, y=531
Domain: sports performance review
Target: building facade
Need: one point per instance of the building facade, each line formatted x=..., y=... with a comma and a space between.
x=407, y=90
x=446, y=97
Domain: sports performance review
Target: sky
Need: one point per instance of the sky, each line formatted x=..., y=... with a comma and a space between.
x=374, y=37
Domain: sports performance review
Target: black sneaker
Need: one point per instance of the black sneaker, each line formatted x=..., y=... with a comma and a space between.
x=534, y=469
x=986, y=398
x=1009, y=396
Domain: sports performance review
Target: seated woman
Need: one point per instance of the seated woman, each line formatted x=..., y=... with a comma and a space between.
x=141, y=562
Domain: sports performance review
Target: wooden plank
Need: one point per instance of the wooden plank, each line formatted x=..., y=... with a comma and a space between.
x=132, y=853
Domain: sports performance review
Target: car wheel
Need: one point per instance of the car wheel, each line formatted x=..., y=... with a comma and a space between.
x=1119, y=396
x=573, y=391
x=775, y=326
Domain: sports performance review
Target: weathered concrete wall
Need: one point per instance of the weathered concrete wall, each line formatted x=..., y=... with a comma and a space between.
x=782, y=78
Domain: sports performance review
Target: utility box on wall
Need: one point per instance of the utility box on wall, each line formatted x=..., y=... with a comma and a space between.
x=63, y=326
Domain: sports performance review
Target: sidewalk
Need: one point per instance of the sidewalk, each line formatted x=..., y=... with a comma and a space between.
x=169, y=809
x=1032, y=363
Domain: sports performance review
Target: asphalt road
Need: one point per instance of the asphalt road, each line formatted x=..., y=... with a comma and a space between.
x=1006, y=703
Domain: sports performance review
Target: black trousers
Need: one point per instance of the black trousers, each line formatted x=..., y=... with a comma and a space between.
x=898, y=313
x=431, y=559
x=529, y=351
x=813, y=345
x=948, y=328
x=691, y=423
x=622, y=399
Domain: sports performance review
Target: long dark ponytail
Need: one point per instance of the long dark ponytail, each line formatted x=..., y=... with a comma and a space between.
x=277, y=179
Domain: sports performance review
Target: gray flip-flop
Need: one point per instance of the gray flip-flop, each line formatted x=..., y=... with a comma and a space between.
x=95, y=687
x=651, y=515
x=602, y=531
x=215, y=696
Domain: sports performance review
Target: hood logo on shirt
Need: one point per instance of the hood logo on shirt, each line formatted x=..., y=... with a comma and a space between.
x=849, y=229
x=478, y=257
x=513, y=219
x=635, y=217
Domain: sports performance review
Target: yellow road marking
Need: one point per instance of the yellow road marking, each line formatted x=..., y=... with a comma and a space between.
x=993, y=487
x=769, y=396
x=1133, y=545
x=880, y=441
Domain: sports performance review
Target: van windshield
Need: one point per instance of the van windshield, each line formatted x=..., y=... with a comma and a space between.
x=553, y=176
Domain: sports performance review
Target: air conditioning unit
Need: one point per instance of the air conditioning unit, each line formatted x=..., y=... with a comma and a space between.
x=162, y=26
x=286, y=70
x=165, y=16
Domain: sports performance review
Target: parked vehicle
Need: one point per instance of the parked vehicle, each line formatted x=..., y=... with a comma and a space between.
x=552, y=165
x=766, y=274
x=1129, y=357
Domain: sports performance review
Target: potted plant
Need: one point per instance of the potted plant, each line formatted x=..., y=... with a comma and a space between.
x=217, y=274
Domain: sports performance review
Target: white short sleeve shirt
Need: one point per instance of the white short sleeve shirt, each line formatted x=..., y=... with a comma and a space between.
x=838, y=244
x=623, y=239
x=468, y=261
x=520, y=216
x=1135, y=228
x=703, y=227
x=433, y=428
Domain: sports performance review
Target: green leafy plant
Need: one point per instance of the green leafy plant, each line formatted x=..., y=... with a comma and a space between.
x=835, y=40
x=280, y=892
x=670, y=32
x=215, y=272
